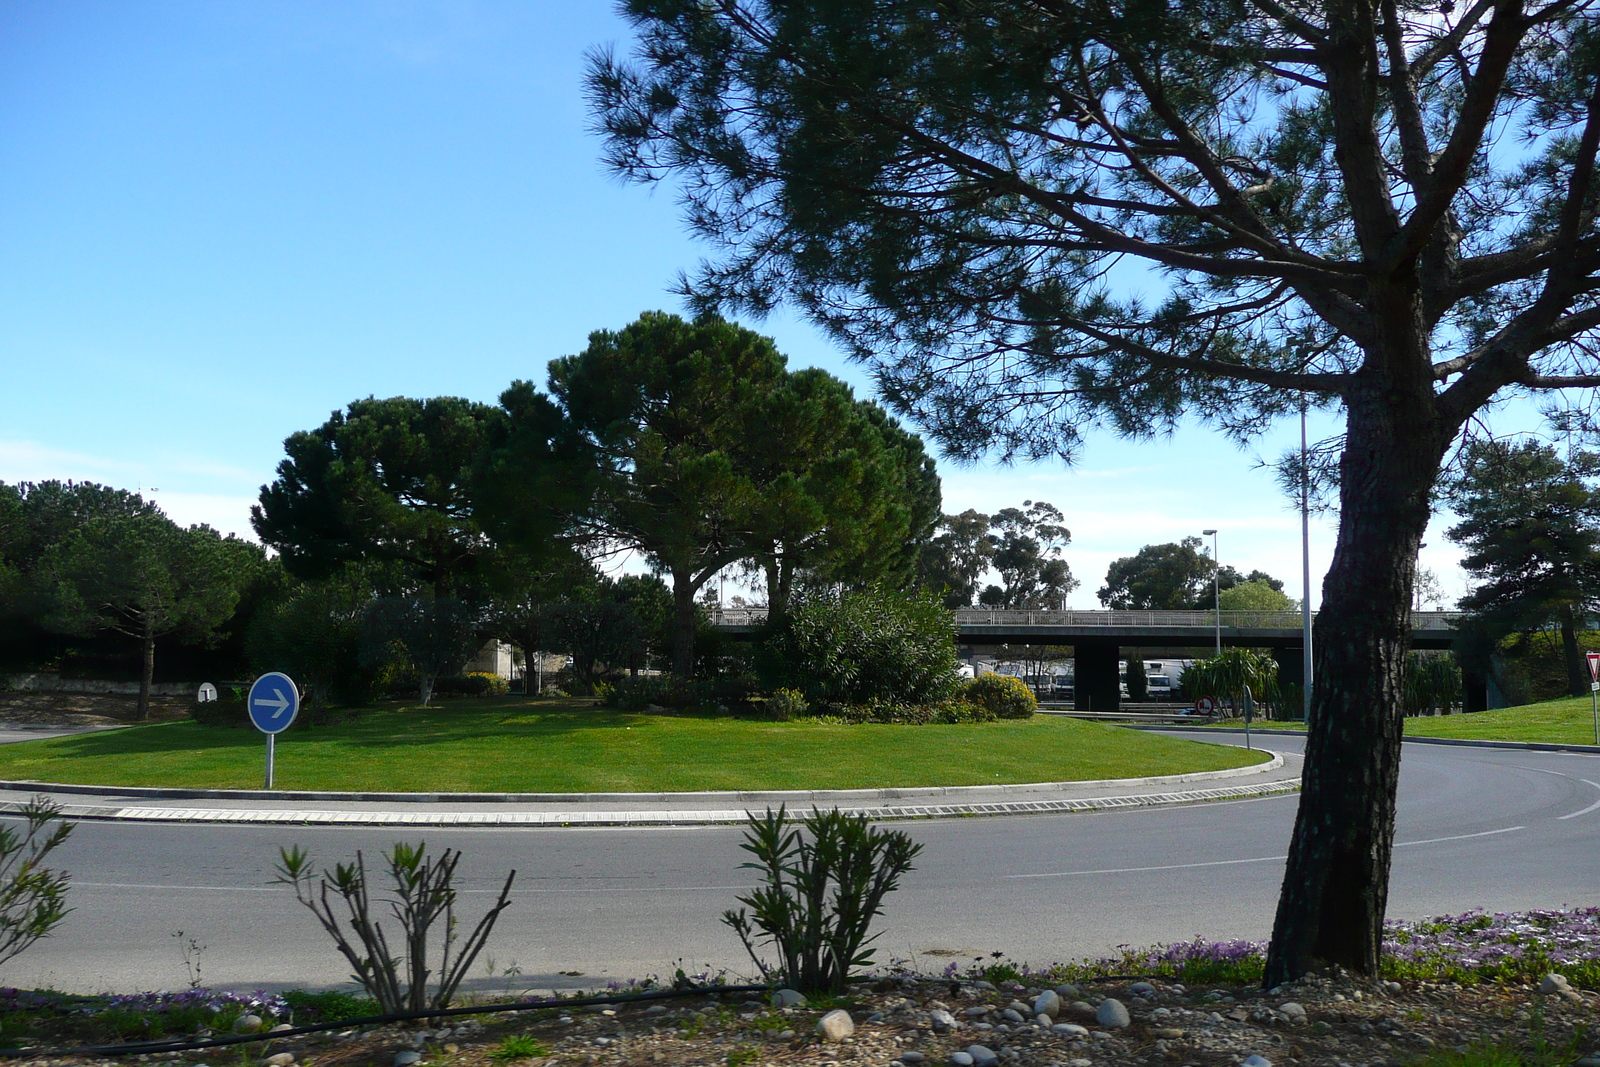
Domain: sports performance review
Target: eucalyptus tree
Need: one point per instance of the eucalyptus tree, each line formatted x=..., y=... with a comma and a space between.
x=1033, y=217
x=1027, y=554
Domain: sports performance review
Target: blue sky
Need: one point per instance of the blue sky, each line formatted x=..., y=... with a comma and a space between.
x=220, y=221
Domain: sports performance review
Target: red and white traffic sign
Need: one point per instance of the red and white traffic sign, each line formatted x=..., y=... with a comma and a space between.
x=1594, y=666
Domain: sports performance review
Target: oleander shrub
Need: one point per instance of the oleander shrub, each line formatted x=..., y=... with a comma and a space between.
x=1007, y=697
x=876, y=645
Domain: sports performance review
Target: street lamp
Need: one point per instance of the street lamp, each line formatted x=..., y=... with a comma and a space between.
x=1216, y=584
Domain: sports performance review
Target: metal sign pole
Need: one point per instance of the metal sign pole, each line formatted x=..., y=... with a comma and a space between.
x=1249, y=713
x=272, y=752
x=1594, y=690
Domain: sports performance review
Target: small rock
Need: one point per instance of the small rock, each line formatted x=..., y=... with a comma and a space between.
x=1168, y=1033
x=786, y=1035
x=982, y=1056
x=407, y=1058
x=1012, y=1015
x=1067, y=991
x=1555, y=984
x=1047, y=1003
x=451, y=1048
x=1394, y=987
x=836, y=1026
x=1043, y=1020
x=280, y=1028
x=1080, y=1009
x=1141, y=989
x=942, y=1021
x=1256, y=1061
x=1069, y=1030
x=248, y=1024
x=1019, y=1007
x=1293, y=1010
x=985, y=985
x=1112, y=1013
x=912, y=1057
x=1591, y=1060
x=281, y=1059
x=960, y=1059
x=788, y=998
x=977, y=1011
x=1080, y=1062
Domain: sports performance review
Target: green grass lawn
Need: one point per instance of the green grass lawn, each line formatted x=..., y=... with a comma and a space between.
x=1567, y=721
x=515, y=745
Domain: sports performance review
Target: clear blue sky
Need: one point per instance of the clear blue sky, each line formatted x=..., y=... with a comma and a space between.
x=220, y=221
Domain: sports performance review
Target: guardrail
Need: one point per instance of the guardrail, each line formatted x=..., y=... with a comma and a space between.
x=1255, y=620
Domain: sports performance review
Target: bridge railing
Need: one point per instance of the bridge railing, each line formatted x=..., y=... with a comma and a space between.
x=1252, y=620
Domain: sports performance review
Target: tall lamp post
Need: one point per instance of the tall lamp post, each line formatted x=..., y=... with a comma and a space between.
x=1216, y=584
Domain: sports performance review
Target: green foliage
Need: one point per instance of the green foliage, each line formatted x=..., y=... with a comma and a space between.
x=472, y=684
x=1027, y=553
x=1531, y=527
x=954, y=560
x=33, y=897
x=1257, y=594
x=432, y=636
x=1006, y=697
x=825, y=883
x=424, y=897
x=1159, y=577
x=1432, y=683
x=312, y=631
x=856, y=648
x=1138, y=682
x=227, y=710
x=518, y=1047
x=384, y=481
x=1224, y=677
x=785, y=704
x=328, y=1006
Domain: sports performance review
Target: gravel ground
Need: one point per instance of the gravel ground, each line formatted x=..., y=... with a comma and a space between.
x=1320, y=1021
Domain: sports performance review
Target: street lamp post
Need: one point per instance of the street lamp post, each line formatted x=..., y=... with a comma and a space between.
x=1216, y=584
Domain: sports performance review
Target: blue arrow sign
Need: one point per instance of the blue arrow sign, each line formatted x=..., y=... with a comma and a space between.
x=273, y=702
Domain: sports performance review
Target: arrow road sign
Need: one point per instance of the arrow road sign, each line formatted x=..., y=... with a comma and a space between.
x=273, y=702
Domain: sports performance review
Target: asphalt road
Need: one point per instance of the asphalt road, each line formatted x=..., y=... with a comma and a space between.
x=1479, y=828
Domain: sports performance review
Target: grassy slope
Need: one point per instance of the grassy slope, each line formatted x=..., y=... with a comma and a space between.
x=1569, y=720
x=515, y=745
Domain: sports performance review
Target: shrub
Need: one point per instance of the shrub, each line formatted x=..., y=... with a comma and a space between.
x=227, y=710
x=822, y=893
x=424, y=893
x=1005, y=696
x=472, y=684
x=33, y=897
x=857, y=648
x=636, y=694
x=785, y=704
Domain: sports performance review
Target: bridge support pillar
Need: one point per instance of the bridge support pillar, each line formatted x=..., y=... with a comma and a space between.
x=1096, y=685
x=1291, y=665
x=1474, y=690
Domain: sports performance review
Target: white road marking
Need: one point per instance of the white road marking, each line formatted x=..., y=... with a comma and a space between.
x=208, y=888
x=1587, y=810
x=1459, y=837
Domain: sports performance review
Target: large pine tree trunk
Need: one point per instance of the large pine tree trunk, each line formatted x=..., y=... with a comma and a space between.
x=147, y=673
x=683, y=619
x=1335, y=887
x=1577, y=669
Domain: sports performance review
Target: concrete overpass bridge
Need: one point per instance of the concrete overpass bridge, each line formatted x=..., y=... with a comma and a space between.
x=1098, y=637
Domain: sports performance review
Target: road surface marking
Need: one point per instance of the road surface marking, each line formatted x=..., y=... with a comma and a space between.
x=1587, y=810
x=1459, y=837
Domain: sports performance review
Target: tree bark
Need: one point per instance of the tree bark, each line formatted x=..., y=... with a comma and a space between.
x=147, y=673
x=684, y=588
x=1577, y=669
x=1335, y=886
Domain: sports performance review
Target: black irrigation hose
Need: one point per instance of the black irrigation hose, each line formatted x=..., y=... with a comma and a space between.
x=138, y=1047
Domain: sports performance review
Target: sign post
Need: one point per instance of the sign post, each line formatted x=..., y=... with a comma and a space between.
x=273, y=703
x=1249, y=713
x=1594, y=690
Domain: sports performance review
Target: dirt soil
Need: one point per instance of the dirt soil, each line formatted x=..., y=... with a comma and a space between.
x=83, y=709
x=1336, y=1023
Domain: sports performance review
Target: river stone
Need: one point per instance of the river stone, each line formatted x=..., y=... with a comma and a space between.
x=1080, y=1009
x=1141, y=989
x=788, y=998
x=1067, y=991
x=1256, y=1061
x=836, y=1025
x=1070, y=1030
x=248, y=1024
x=1047, y=1003
x=280, y=1059
x=1012, y=1015
x=1293, y=1010
x=942, y=1021
x=1043, y=1021
x=960, y=1059
x=1112, y=1013
x=912, y=1056
x=407, y=1058
x=977, y=1011
x=1555, y=984
x=982, y=1056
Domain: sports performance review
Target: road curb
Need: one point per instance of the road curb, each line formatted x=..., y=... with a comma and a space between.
x=770, y=796
x=1460, y=742
x=706, y=817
